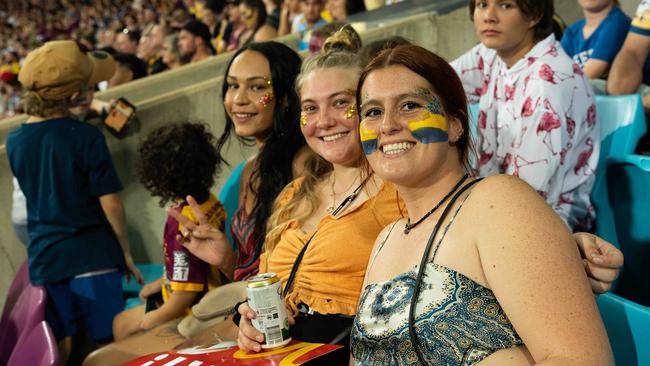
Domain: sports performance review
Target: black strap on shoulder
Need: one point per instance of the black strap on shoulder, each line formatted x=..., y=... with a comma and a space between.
x=294, y=268
x=423, y=263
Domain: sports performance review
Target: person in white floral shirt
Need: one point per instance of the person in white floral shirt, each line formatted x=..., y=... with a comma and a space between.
x=537, y=115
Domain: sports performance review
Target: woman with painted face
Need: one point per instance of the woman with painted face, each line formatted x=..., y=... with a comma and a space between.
x=263, y=109
x=480, y=272
x=537, y=117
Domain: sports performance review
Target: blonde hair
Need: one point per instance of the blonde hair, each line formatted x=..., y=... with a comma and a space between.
x=339, y=51
x=299, y=207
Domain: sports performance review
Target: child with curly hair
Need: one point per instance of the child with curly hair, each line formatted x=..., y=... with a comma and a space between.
x=176, y=161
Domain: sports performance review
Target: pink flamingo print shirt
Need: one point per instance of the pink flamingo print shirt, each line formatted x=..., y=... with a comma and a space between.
x=537, y=121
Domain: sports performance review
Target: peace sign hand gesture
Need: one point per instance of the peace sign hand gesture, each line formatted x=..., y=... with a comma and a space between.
x=204, y=240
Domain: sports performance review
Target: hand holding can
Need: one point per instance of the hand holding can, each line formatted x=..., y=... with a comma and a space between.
x=264, y=298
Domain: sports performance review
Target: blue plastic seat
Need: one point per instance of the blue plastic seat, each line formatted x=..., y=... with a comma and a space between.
x=628, y=178
x=229, y=197
x=628, y=328
x=622, y=123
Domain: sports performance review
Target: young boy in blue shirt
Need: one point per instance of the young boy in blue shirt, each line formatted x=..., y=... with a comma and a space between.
x=76, y=224
x=594, y=41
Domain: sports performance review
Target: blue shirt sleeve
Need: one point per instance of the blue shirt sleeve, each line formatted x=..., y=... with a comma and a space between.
x=611, y=36
x=102, y=176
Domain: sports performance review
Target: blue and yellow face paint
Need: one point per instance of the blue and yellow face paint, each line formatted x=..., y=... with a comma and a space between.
x=368, y=139
x=433, y=128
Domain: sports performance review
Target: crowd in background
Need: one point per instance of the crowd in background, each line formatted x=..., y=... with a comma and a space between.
x=536, y=121
x=151, y=36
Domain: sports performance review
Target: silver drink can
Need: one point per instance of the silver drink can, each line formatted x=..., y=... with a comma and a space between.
x=264, y=297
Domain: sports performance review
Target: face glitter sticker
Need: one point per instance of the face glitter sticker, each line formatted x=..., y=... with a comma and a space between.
x=432, y=129
x=368, y=139
x=350, y=111
x=303, y=119
x=435, y=107
x=266, y=99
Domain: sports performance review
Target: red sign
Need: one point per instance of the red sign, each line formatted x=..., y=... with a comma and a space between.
x=294, y=353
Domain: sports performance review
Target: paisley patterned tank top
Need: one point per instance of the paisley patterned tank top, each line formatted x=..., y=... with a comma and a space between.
x=457, y=321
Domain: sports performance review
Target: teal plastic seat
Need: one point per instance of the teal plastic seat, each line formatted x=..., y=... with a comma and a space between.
x=229, y=197
x=628, y=178
x=622, y=123
x=473, y=110
x=150, y=272
x=628, y=329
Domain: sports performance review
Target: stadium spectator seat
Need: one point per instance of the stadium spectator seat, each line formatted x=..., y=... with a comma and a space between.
x=628, y=178
x=28, y=311
x=36, y=348
x=628, y=328
x=21, y=279
x=473, y=120
x=622, y=123
x=229, y=197
x=131, y=289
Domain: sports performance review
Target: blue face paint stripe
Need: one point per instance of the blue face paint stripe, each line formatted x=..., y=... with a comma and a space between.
x=369, y=146
x=430, y=135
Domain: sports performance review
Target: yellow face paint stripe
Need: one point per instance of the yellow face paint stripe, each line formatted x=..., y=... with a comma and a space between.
x=432, y=129
x=368, y=139
x=432, y=121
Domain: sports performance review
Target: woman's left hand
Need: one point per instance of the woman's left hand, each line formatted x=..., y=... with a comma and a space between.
x=601, y=260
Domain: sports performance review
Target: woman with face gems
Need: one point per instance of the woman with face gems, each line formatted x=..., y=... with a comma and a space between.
x=332, y=215
x=537, y=116
x=480, y=272
x=262, y=107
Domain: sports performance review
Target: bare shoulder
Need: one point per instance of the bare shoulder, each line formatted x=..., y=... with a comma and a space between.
x=500, y=200
x=503, y=188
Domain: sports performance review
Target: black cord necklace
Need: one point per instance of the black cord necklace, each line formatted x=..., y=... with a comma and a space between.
x=408, y=227
x=349, y=198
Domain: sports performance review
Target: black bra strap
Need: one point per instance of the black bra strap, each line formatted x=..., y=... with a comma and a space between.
x=423, y=263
